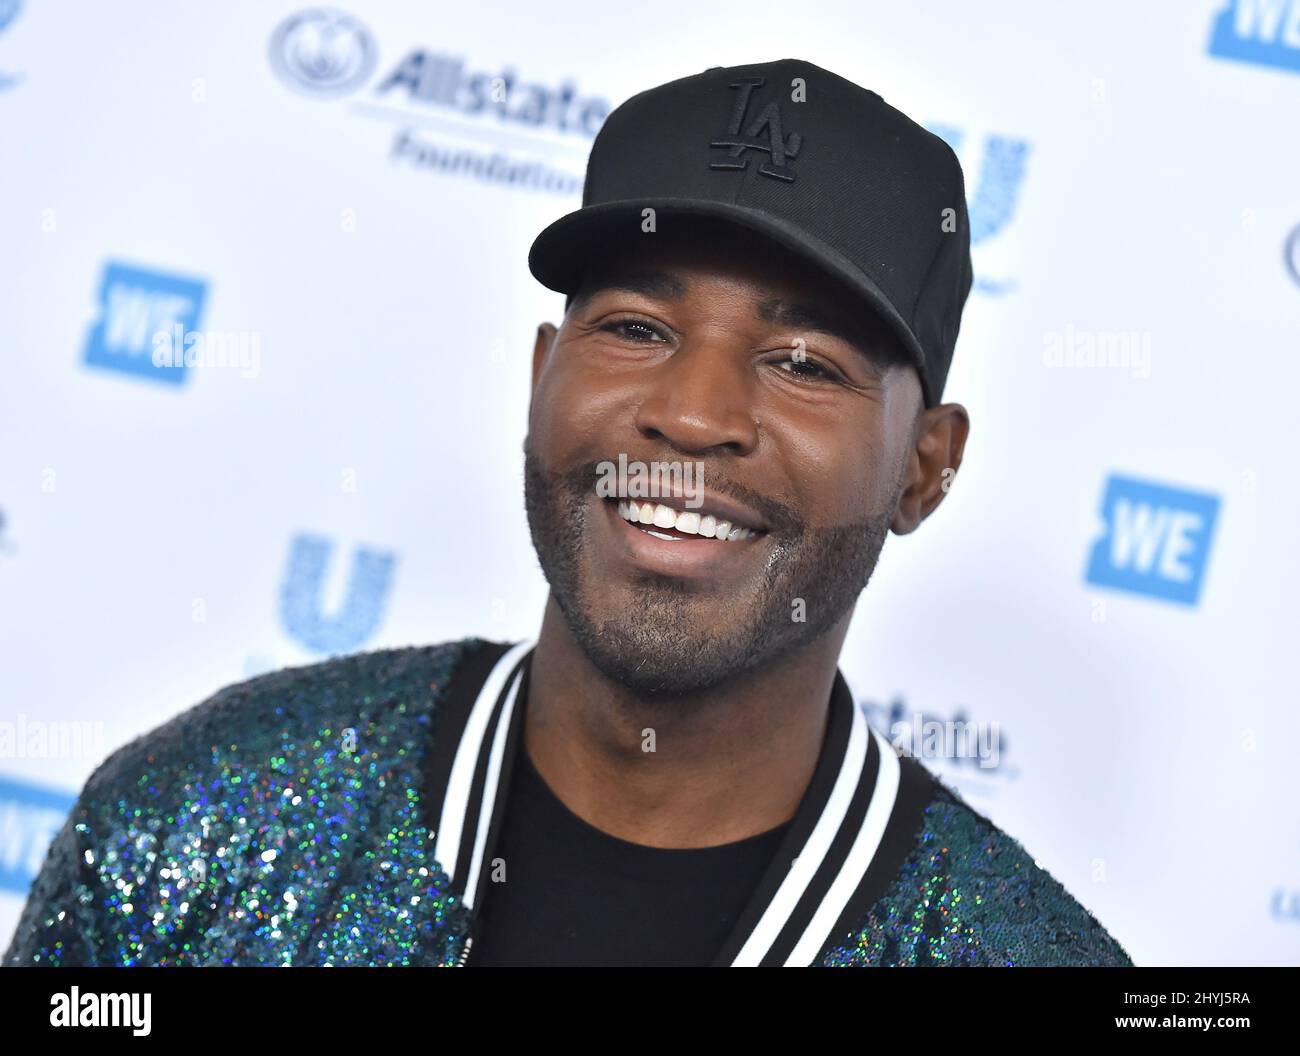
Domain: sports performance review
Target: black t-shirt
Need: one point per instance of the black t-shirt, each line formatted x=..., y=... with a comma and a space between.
x=574, y=895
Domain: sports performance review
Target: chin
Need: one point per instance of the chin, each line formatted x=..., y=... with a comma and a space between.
x=673, y=646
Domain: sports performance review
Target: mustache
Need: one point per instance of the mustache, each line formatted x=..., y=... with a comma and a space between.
x=580, y=482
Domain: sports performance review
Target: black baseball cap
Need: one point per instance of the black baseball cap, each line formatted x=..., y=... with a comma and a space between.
x=805, y=157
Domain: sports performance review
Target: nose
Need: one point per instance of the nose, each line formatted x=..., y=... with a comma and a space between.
x=700, y=399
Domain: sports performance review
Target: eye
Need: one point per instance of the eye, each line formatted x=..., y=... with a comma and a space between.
x=634, y=330
x=803, y=367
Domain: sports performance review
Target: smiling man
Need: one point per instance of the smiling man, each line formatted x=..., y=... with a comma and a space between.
x=765, y=285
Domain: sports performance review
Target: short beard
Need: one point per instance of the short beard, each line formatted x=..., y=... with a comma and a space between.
x=652, y=649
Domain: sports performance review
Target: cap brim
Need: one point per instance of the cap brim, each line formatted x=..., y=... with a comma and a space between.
x=561, y=253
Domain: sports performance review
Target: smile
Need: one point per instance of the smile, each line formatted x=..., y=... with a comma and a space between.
x=635, y=535
x=649, y=516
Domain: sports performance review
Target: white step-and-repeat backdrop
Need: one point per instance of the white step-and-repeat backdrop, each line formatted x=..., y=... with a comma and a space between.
x=335, y=204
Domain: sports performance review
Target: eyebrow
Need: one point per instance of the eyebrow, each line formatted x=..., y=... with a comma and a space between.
x=659, y=284
x=667, y=286
x=806, y=317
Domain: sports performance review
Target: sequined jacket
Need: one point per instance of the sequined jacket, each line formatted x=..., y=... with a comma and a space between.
x=339, y=814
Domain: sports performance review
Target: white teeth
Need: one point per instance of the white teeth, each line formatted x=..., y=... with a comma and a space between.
x=687, y=521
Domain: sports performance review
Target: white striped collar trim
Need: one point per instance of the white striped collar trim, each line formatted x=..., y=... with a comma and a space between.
x=492, y=716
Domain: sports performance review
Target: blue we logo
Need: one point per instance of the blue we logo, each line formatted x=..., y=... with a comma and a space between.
x=140, y=311
x=1156, y=542
x=1264, y=32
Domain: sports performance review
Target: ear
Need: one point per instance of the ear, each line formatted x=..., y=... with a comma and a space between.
x=541, y=348
x=939, y=439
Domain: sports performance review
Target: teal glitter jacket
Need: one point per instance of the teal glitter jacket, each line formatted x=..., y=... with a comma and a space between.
x=332, y=814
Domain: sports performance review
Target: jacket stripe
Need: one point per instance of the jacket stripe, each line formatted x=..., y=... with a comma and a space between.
x=785, y=902
x=798, y=921
x=492, y=784
x=456, y=803
x=859, y=857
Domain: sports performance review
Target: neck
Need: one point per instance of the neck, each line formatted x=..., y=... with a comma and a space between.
x=726, y=764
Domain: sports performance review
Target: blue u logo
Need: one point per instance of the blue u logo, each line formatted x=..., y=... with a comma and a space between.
x=301, y=593
x=996, y=193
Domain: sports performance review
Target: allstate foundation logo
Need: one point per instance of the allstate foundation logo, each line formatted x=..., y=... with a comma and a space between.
x=322, y=52
x=8, y=12
x=494, y=125
x=1263, y=32
x=138, y=308
x=1156, y=540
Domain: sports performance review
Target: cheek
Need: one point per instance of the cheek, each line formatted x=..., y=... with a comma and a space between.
x=580, y=410
x=838, y=472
